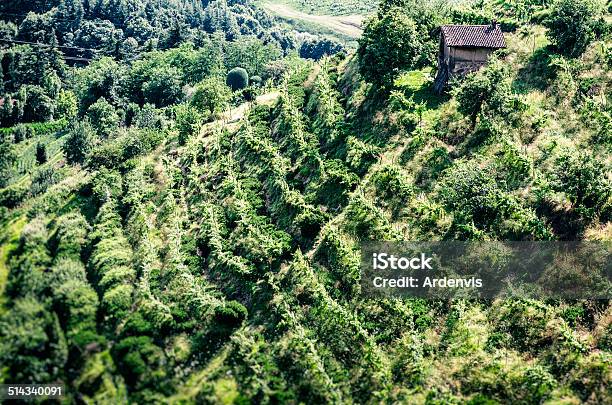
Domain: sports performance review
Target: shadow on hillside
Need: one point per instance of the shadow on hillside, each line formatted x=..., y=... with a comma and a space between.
x=428, y=96
x=369, y=122
x=566, y=224
x=536, y=74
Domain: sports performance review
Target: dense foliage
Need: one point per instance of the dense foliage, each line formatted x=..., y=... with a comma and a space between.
x=167, y=238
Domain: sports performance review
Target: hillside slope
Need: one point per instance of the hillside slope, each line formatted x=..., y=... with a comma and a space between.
x=177, y=243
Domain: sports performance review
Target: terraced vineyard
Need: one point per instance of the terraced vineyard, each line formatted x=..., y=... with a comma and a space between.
x=192, y=232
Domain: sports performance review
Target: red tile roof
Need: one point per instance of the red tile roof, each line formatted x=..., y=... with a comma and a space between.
x=473, y=36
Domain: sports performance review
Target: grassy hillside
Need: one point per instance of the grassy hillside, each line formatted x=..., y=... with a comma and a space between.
x=186, y=242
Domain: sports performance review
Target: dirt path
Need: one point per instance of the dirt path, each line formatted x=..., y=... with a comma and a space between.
x=348, y=25
x=231, y=117
x=236, y=114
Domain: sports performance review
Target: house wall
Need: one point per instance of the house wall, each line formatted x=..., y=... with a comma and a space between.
x=470, y=54
x=458, y=61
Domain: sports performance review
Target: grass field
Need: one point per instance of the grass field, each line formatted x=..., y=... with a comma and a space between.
x=332, y=7
x=347, y=25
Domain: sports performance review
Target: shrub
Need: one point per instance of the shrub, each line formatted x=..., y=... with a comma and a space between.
x=318, y=48
x=42, y=179
x=13, y=195
x=392, y=185
x=335, y=184
x=211, y=96
x=188, y=122
x=256, y=81
x=67, y=105
x=80, y=140
x=139, y=360
x=70, y=235
x=41, y=153
x=572, y=25
x=487, y=91
x=360, y=155
x=164, y=86
x=583, y=179
x=147, y=117
x=103, y=117
x=39, y=106
x=231, y=315
x=237, y=79
x=133, y=142
x=477, y=199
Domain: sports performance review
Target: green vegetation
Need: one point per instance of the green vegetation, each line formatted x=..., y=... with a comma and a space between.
x=237, y=79
x=167, y=238
x=329, y=7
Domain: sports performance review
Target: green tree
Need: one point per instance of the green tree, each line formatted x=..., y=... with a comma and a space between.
x=250, y=53
x=69, y=15
x=67, y=105
x=42, y=179
x=39, y=106
x=163, y=87
x=389, y=44
x=102, y=78
x=211, y=96
x=571, y=25
x=486, y=90
x=80, y=140
x=41, y=153
x=237, y=79
x=103, y=117
x=472, y=94
x=8, y=158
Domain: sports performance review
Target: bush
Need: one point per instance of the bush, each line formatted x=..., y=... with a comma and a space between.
x=583, y=179
x=67, y=105
x=477, y=199
x=164, y=86
x=188, y=122
x=147, y=117
x=13, y=195
x=572, y=25
x=103, y=117
x=42, y=179
x=132, y=143
x=318, y=48
x=39, y=106
x=41, y=153
x=80, y=140
x=70, y=235
x=237, y=79
x=487, y=91
x=211, y=96
x=335, y=185
x=256, y=81
x=231, y=315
